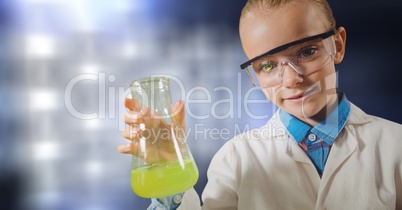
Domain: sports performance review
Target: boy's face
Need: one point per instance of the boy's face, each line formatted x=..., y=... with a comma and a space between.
x=300, y=95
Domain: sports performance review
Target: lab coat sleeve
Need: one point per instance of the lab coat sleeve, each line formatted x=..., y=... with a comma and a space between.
x=220, y=191
x=191, y=201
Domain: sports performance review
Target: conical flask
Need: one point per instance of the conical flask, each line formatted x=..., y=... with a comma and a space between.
x=162, y=163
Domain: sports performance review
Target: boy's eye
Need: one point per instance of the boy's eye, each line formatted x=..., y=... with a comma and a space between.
x=266, y=67
x=308, y=52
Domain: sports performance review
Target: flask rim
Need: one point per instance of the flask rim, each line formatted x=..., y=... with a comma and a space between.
x=152, y=82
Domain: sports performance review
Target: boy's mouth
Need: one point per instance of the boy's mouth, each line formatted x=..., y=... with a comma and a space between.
x=304, y=94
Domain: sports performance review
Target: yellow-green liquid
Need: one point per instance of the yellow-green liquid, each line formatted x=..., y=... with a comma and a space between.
x=164, y=179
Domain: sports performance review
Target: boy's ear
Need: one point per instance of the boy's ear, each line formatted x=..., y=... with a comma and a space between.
x=340, y=44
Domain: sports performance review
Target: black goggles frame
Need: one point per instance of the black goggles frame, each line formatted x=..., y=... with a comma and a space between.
x=286, y=46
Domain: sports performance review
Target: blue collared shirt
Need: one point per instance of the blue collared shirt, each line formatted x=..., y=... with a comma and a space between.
x=166, y=203
x=320, y=137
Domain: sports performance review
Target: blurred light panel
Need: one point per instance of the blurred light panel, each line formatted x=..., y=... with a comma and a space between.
x=83, y=14
x=93, y=124
x=88, y=15
x=47, y=150
x=41, y=1
x=123, y=6
x=90, y=68
x=42, y=100
x=48, y=198
x=129, y=51
x=94, y=168
x=39, y=46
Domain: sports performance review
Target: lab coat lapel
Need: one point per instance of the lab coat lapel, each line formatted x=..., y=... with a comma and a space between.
x=345, y=144
x=343, y=147
x=294, y=151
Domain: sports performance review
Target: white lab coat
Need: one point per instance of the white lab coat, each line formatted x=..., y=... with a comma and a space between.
x=265, y=169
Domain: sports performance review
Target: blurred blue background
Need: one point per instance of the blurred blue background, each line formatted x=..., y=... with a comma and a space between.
x=65, y=66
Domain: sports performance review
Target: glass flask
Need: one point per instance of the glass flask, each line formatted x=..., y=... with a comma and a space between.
x=162, y=163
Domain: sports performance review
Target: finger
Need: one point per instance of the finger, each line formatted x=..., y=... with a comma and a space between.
x=131, y=133
x=134, y=105
x=178, y=110
x=128, y=103
x=129, y=148
x=132, y=117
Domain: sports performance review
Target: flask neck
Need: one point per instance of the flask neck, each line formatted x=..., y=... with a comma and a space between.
x=153, y=95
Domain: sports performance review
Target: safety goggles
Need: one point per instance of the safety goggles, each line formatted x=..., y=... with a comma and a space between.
x=305, y=56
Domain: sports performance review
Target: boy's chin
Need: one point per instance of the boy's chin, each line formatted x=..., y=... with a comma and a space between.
x=305, y=113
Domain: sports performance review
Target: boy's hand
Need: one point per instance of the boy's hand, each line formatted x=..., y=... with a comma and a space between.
x=150, y=136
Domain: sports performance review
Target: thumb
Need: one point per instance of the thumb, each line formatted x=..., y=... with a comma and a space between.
x=131, y=103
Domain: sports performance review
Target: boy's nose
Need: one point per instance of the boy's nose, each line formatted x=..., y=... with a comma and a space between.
x=290, y=76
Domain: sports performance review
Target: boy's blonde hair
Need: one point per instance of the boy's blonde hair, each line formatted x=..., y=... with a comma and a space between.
x=269, y=4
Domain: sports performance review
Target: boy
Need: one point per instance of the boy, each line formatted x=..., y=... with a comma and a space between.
x=323, y=152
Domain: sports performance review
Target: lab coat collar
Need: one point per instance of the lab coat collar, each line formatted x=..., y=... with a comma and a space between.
x=357, y=116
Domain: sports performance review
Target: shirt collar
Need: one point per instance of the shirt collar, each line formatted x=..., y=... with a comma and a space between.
x=327, y=130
